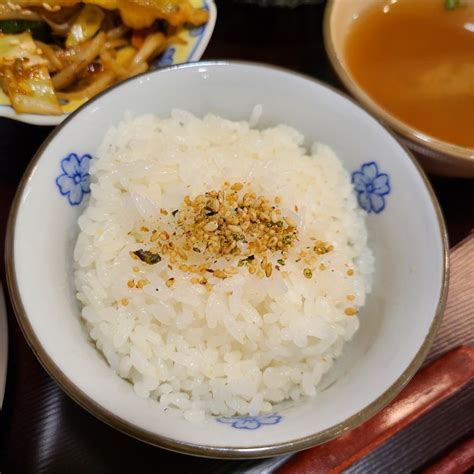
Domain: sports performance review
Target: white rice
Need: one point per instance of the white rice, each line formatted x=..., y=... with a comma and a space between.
x=250, y=342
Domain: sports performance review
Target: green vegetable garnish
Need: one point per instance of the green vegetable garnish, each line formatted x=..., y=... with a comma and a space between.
x=148, y=257
x=451, y=4
x=38, y=29
x=245, y=261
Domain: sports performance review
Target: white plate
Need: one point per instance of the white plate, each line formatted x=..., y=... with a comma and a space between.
x=196, y=41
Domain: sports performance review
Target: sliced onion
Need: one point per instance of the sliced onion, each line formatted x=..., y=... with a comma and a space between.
x=117, y=32
x=101, y=81
x=54, y=64
x=88, y=52
x=139, y=69
x=116, y=43
x=110, y=63
x=153, y=45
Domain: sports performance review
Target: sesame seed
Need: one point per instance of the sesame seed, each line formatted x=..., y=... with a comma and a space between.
x=227, y=223
x=182, y=254
x=289, y=221
x=211, y=226
x=268, y=270
x=350, y=311
x=322, y=248
x=273, y=241
x=234, y=228
x=350, y=272
x=237, y=187
x=307, y=273
x=220, y=274
x=130, y=283
x=125, y=301
x=231, y=270
x=350, y=297
x=169, y=282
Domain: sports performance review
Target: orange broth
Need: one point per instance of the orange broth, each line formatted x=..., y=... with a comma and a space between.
x=415, y=58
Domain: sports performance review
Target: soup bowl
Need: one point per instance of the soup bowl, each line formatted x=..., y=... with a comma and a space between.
x=405, y=228
x=436, y=156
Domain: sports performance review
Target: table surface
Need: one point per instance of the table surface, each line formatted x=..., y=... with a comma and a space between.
x=41, y=429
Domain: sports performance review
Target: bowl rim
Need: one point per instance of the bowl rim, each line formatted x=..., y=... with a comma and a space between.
x=195, y=54
x=235, y=452
x=411, y=133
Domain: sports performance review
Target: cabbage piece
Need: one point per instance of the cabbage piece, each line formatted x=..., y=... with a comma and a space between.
x=25, y=77
x=85, y=26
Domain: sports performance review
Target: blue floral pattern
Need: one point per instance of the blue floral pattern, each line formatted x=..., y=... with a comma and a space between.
x=250, y=422
x=198, y=31
x=371, y=187
x=74, y=181
x=167, y=58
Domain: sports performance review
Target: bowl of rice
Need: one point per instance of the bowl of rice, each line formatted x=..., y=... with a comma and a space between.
x=230, y=260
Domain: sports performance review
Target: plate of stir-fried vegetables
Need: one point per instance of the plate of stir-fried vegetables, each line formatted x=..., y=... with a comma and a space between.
x=57, y=54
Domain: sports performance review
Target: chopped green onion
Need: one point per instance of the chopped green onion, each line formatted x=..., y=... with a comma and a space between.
x=148, y=257
x=451, y=4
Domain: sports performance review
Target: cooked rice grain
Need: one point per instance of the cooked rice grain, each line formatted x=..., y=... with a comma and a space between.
x=245, y=343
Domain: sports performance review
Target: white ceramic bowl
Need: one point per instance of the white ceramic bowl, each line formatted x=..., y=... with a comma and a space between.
x=191, y=47
x=406, y=233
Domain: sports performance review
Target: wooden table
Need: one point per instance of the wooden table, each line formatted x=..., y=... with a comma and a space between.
x=41, y=429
